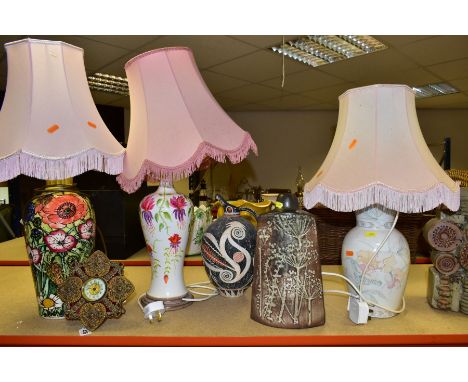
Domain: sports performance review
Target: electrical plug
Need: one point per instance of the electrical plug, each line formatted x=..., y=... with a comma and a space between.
x=154, y=310
x=358, y=310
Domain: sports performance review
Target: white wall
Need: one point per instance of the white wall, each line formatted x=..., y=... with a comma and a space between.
x=438, y=124
x=287, y=140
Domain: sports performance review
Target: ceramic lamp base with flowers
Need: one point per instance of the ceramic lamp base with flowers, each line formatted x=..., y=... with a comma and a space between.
x=165, y=218
x=59, y=230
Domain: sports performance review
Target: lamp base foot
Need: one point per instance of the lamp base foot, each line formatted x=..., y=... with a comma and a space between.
x=169, y=303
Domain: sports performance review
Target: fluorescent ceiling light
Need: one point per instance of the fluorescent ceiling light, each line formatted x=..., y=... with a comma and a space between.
x=316, y=50
x=433, y=90
x=108, y=83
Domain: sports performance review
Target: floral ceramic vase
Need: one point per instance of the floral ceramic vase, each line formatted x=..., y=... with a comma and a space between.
x=385, y=279
x=59, y=230
x=287, y=289
x=228, y=247
x=165, y=219
x=201, y=220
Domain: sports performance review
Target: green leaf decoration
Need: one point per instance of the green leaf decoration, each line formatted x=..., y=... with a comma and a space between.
x=156, y=217
x=166, y=202
x=159, y=201
x=161, y=226
x=166, y=215
x=198, y=236
x=156, y=265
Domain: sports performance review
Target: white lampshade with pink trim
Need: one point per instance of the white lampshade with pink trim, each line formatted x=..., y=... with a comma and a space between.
x=175, y=120
x=49, y=125
x=379, y=156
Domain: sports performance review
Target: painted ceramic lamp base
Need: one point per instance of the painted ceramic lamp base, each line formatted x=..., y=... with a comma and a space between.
x=385, y=279
x=59, y=230
x=165, y=219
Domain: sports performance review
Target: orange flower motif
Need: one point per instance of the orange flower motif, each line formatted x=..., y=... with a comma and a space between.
x=174, y=242
x=62, y=210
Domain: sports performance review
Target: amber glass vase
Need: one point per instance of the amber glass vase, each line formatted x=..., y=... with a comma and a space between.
x=59, y=230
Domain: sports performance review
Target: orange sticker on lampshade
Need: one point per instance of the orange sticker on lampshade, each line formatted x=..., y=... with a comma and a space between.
x=349, y=253
x=53, y=128
x=352, y=144
x=91, y=124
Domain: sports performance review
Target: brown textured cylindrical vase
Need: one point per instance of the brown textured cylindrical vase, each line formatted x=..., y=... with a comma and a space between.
x=59, y=230
x=442, y=235
x=463, y=255
x=446, y=263
x=287, y=289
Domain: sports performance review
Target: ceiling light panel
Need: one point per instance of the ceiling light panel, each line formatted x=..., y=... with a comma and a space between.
x=317, y=50
x=108, y=83
x=433, y=90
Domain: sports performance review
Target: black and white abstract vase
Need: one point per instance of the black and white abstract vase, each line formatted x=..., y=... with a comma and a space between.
x=228, y=247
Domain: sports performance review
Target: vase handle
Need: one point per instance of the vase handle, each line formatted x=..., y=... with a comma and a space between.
x=230, y=209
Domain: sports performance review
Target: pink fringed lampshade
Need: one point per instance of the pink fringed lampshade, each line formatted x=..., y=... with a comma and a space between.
x=175, y=121
x=50, y=127
x=379, y=156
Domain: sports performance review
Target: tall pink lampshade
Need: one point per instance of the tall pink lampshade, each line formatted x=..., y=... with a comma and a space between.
x=51, y=130
x=50, y=126
x=379, y=165
x=175, y=120
x=175, y=125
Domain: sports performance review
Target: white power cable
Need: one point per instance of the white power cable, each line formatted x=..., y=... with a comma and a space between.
x=156, y=309
x=283, y=72
x=340, y=292
x=346, y=279
x=360, y=294
x=378, y=249
x=201, y=285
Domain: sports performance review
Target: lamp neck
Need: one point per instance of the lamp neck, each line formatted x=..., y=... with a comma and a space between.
x=375, y=217
x=59, y=182
x=166, y=188
x=61, y=185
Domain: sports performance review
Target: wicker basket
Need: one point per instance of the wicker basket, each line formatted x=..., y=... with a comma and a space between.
x=459, y=175
x=332, y=227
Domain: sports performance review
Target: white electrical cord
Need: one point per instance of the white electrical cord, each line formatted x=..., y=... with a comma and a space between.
x=348, y=281
x=283, y=72
x=340, y=292
x=360, y=294
x=201, y=285
x=378, y=249
x=156, y=309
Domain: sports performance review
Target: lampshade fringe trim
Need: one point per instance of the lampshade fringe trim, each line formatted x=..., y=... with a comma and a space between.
x=151, y=170
x=402, y=201
x=60, y=168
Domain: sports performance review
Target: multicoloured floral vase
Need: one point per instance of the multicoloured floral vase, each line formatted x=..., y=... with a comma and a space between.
x=385, y=279
x=165, y=219
x=201, y=220
x=59, y=230
x=228, y=247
